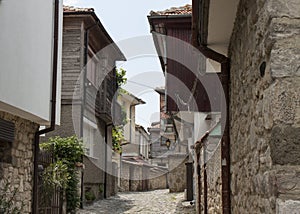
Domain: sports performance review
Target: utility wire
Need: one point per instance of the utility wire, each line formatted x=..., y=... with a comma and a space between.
x=140, y=84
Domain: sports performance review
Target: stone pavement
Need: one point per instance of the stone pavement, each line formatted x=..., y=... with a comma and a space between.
x=157, y=201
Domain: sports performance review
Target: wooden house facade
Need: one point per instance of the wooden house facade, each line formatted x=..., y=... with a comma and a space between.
x=88, y=104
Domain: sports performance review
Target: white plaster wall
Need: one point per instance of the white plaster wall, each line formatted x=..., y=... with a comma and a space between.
x=26, y=47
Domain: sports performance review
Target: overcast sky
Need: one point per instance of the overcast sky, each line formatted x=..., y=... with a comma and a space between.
x=125, y=20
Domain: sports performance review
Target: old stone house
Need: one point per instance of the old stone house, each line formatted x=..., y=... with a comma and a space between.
x=259, y=168
x=88, y=90
x=260, y=39
x=177, y=117
x=252, y=47
x=29, y=86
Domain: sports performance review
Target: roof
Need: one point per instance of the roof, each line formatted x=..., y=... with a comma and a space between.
x=70, y=10
x=136, y=160
x=160, y=90
x=155, y=125
x=77, y=9
x=184, y=10
x=141, y=128
x=130, y=97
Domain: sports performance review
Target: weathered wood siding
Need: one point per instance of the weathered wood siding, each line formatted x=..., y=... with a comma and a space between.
x=72, y=58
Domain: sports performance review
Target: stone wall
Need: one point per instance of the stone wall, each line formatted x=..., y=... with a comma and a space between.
x=158, y=179
x=131, y=177
x=136, y=177
x=177, y=173
x=214, y=183
x=264, y=107
x=18, y=170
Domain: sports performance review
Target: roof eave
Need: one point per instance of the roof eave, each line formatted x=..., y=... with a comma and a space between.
x=97, y=20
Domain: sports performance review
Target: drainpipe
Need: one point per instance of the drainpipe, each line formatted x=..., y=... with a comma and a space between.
x=200, y=44
x=130, y=124
x=105, y=167
x=199, y=180
x=53, y=109
x=85, y=61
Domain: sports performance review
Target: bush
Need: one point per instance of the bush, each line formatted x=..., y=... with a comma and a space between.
x=89, y=196
x=67, y=152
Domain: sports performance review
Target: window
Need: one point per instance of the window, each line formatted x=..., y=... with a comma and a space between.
x=89, y=136
x=7, y=136
x=92, y=70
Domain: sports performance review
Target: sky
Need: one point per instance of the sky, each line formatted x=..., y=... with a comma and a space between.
x=126, y=22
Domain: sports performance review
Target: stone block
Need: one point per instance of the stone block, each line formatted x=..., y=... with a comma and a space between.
x=284, y=8
x=285, y=56
x=285, y=145
x=288, y=182
x=282, y=101
x=287, y=206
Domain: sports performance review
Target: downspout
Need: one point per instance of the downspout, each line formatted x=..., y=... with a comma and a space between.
x=199, y=179
x=130, y=124
x=175, y=128
x=105, y=155
x=199, y=41
x=85, y=61
x=53, y=109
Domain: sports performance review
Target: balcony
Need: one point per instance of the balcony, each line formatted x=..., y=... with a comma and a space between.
x=101, y=102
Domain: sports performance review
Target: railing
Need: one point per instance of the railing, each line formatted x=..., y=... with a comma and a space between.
x=101, y=101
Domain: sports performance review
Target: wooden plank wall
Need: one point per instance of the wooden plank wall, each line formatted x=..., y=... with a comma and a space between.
x=72, y=58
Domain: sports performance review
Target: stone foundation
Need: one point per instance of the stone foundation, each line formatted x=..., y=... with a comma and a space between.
x=17, y=168
x=158, y=179
x=131, y=177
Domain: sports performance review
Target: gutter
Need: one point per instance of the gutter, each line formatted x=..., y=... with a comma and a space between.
x=53, y=110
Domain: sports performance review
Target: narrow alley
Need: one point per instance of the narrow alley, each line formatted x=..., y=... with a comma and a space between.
x=157, y=201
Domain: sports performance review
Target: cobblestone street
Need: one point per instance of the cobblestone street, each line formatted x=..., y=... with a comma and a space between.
x=157, y=201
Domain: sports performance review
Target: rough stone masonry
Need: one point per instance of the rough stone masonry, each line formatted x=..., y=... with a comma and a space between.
x=17, y=171
x=265, y=107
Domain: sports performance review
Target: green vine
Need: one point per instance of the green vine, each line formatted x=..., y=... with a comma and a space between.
x=7, y=199
x=117, y=138
x=118, y=131
x=121, y=79
x=67, y=152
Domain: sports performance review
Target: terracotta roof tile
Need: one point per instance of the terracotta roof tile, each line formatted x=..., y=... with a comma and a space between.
x=76, y=9
x=184, y=10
